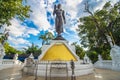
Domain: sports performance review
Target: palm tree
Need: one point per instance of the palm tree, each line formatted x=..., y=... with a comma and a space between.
x=33, y=49
x=46, y=37
x=43, y=37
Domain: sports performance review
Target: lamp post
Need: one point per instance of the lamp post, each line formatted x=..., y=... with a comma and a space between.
x=72, y=68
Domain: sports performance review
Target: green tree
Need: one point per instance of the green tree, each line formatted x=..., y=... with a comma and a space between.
x=46, y=37
x=33, y=49
x=96, y=26
x=11, y=50
x=12, y=9
x=79, y=50
x=93, y=55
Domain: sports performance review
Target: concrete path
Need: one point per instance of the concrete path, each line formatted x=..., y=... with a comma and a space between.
x=99, y=74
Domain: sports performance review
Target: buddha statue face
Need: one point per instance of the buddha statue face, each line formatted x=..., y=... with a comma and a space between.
x=59, y=6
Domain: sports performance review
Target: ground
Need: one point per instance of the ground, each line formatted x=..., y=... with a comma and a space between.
x=99, y=74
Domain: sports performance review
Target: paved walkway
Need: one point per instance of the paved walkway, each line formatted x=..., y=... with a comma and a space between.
x=99, y=74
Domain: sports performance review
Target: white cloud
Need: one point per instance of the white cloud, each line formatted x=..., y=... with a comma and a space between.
x=32, y=31
x=18, y=41
x=38, y=16
x=98, y=4
x=18, y=33
x=18, y=30
x=72, y=7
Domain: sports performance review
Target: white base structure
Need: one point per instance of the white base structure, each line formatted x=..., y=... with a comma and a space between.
x=43, y=69
x=58, y=68
x=80, y=69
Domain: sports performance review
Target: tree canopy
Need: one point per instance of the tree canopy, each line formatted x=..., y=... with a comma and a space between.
x=97, y=25
x=79, y=50
x=11, y=50
x=12, y=9
x=32, y=49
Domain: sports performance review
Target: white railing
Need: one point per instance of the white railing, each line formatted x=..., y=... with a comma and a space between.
x=8, y=63
x=107, y=64
x=104, y=64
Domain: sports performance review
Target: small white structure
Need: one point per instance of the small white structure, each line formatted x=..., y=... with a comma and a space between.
x=99, y=63
x=86, y=59
x=29, y=61
x=29, y=65
x=15, y=56
x=31, y=56
x=2, y=52
x=100, y=58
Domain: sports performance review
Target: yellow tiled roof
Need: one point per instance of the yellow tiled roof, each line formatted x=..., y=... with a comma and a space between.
x=59, y=52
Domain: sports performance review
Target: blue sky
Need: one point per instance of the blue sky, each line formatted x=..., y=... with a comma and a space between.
x=22, y=34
